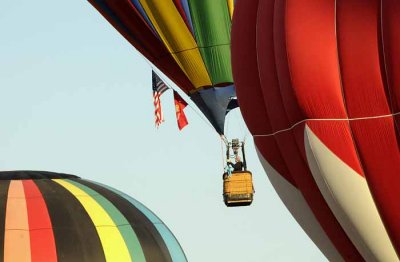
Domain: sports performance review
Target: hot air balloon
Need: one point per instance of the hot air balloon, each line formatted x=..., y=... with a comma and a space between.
x=318, y=85
x=189, y=41
x=48, y=216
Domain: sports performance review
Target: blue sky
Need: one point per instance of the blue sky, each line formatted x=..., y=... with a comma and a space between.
x=76, y=98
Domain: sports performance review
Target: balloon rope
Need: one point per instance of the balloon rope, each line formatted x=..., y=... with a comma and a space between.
x=227, y=124
x=223, y=138
x=241, y=126
x=195, y=110
x=325, y=119
x=223, y=155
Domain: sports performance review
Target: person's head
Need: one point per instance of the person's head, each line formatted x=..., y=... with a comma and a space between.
x=237, y=158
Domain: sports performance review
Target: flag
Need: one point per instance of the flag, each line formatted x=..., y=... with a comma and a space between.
x=159, y=87
x=180, y=104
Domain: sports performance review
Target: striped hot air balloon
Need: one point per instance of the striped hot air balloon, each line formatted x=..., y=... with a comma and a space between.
x=188, y=40
x=318, y=83
x=48, y=217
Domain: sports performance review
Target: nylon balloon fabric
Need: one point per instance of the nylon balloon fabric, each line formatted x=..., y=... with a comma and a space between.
x=322, y=105
x=188, y=40
x=49, y=217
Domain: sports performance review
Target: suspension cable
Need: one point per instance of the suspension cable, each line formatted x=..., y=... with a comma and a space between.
x=200, y=115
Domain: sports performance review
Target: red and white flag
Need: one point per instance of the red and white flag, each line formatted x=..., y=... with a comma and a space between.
x=180, y=104
x=159, y=87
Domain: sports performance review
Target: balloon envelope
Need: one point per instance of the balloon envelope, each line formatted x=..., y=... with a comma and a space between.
x=188, y=40
x=317, y=82
x=49, y=216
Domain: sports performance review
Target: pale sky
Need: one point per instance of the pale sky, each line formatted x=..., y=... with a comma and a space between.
x=76, y=98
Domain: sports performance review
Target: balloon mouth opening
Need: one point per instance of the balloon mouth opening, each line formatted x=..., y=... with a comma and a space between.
x=33, y=175
x=220, y=85
x=225, y=84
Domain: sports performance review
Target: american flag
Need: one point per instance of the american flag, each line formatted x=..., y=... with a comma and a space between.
x=159, y=87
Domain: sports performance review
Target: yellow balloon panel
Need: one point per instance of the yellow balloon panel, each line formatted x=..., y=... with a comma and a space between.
x=178, y=39
x=230, y=6
x=114, y=245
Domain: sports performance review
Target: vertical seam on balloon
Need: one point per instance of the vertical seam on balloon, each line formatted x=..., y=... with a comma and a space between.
x=280, y=89
x=183, y=14
x=304, y=161
x=22, y=243
x=296, y=143
x=339, y=67
x=137, y=219
x=141, y=207
x=144, y=18
x=382, y=60
x=5, y=185
x=71, y=218
x=112, y=212
x=188, y=15
x=201, y=53
x=139, y=48
x=286, y=114
x=359, y=157
x=287, y=53
x=361, y=162
x=344, y=101
x=50, y=252
x=98, y=213
x=346, y=217
x=275, y=59
x=343, y=92
x=229, y=8
x=280, y=93
x=306, y=135
x=385, y=78
x=115, y=215
x=334, y=219
x=168, y=46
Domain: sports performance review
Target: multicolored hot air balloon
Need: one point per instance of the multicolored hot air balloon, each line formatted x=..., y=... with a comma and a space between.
x=188, y=40
x=318, y=85
x=48, y=217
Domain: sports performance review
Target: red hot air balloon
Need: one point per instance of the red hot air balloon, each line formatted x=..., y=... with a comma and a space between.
x=188, y=40
x=318, y=85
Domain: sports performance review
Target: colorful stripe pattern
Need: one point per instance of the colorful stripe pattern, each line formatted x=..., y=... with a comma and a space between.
x=318, y=85
x=188, y=40
x=50, y=217
x=195, y=34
